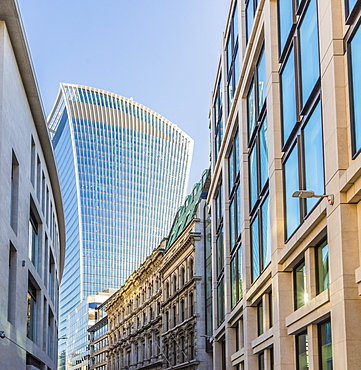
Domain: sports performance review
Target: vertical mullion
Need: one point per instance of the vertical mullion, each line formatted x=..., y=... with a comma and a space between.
x=301, y=171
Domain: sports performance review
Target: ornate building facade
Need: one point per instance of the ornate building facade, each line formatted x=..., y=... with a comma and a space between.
x=157, y=320
x=134, y=319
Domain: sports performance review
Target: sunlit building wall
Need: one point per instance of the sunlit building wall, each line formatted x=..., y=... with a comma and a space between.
x=32, y=229
x=123, y=171
x=285, y=116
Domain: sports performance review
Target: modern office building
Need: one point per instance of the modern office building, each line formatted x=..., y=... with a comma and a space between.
x=158, y=319
x=123, y=172
x=285, y=117
x=84, y=316
x=32, y=228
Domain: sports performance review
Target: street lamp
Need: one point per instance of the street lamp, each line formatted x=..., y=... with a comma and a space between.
x=311, y=194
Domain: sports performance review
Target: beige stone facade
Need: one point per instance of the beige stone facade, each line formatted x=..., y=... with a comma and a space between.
x=157, y=320
x=298, y=305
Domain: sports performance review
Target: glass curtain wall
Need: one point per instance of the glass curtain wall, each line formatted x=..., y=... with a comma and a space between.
x=301, y=115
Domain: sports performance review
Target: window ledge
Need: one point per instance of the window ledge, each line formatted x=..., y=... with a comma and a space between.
x=262, y=341
x=307, y=313
x=315, y=218
x=236, y=357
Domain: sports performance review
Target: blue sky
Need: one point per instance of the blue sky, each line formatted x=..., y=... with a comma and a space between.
x=162, y=53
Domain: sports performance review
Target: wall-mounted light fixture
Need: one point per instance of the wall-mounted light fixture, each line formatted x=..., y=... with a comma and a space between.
x=311, y=194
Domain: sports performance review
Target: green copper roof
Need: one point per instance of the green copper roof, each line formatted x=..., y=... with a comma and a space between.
x=187, y=211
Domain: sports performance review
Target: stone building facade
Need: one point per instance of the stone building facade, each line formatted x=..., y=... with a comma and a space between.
x=134, y=319
x=157, y=319
x=32, y=231
x=285, y=191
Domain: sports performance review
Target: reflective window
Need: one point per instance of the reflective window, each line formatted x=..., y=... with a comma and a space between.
x=325, y=346
x=251, y=110
x=218, y=118
x=260, y=240
x=288, y=96
x=313, y=156
x=232, y=58
x=236, y=277
x=355, y=88
x=322, y=269
x=234, y=193
x=302, y=352
x=291, y=184
x=350, y=4
x=261, y=79
x=33, y=240
x=220, y=302
x=285, y=16
x=301, y=296
x=251, y=6
x=31, y=311
x=305, y=174
x=258, y=168
x=309, y=56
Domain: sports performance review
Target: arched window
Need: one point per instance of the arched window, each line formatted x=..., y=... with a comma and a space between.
x=182, y=310
x=167, y=321
x=174, y=316
x=167, y=290
x=182, y=276
x=191, y=272
x=191, y=307
x=174, y=283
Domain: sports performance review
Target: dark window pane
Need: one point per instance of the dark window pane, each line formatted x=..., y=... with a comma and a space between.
x=255, y=250
x=310, y=69
x=236, y=154
x=285, y=21
x=292, y=218
x=232, y=223
x=322, y=268
x=220, y=252
x=261, y=75
x=288, y=97
x=220, y=301
x=313, y=156
x=239, y=211
x=302, y=352
x=231, y=168
x=260, y=318
x=266, y=243
x=356, y=87
x=300, y=285
x=240, y=275
x=234, y=282
x=253, y=176
x=325, y=346
x=263, y=153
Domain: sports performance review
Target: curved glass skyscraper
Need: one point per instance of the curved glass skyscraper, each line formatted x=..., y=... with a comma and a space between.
x=123, y=171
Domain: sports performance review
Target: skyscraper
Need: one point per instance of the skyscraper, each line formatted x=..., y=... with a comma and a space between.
x=123, y=171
